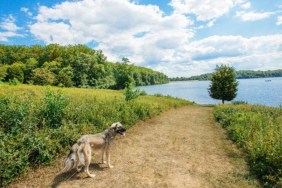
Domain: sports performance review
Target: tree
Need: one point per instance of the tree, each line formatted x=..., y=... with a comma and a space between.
x=65, y=77
x=125, y=60
x=42, y=76
x=16, y=71
x=223, y=83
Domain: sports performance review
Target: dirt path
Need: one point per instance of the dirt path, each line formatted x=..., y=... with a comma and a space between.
x=180, y=148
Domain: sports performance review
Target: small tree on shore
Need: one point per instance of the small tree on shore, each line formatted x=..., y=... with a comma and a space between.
x=223, y=83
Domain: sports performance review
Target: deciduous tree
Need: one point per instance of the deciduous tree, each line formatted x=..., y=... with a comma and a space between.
x=223, y=83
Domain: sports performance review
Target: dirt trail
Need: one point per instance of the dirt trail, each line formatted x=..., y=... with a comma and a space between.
x=180, y=148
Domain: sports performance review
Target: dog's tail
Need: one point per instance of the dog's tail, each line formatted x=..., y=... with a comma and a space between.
x=70, y=160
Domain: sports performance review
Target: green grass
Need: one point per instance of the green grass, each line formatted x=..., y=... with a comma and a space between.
x=258, y=130
x=37, y=123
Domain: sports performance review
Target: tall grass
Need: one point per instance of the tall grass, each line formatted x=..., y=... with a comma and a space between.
x=37, y=123
x=258, y=130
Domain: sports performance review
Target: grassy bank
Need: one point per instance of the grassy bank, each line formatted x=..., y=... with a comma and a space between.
x=258, y=130
x=37, y=123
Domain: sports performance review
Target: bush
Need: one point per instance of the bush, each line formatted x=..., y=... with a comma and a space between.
x=14, y=82
x=131, y=93
x=14, y=114
x=239, y=102
x=54, y=104
x=257, y=129
x=38, y=124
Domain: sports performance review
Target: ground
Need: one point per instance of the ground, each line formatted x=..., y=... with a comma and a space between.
x=182, y=148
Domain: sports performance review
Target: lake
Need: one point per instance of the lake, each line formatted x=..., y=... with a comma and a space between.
x=263, y=91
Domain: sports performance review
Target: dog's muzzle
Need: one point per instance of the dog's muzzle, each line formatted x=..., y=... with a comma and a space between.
x=121, y=131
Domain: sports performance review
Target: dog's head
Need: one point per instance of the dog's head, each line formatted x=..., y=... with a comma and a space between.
x=117, y=127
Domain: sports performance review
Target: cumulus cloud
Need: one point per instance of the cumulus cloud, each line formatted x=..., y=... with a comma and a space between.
x=9, y=28
x=255, y=53
x=279, y=20
x=205, y=10
x=253, y=16
x=121, y=28
x=150, y=38
x=246, y=5
x=26, y=10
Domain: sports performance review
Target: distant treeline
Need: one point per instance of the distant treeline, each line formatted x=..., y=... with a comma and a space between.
x=242, y=74
x=71, y=66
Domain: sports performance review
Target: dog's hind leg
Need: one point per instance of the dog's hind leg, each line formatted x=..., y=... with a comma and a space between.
x=87, y=158
x=78, y=158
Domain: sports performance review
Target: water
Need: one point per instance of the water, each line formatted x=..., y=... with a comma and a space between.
x=254, y=91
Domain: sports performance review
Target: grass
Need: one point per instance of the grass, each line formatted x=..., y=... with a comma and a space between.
x=258, y=130
x=37, y=123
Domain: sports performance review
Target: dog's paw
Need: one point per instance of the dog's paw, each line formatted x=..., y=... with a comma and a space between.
x=79, y=169
x=110, y=166
x=92, y=175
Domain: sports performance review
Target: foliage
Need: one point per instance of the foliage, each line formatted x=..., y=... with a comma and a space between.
x=69, y=66
x=38, y=124
x=3, y=72
x=65, y=77
x=239, y=102
x=241, y=74
x=54, y=104
x=14, y=82
x=223, y=83
x=42, y=76
x=16, y=71
x=131, y=93
x=258, y=130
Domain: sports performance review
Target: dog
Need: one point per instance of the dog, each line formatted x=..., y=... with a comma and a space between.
x=81, y=151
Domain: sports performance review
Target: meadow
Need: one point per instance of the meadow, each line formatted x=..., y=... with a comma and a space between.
x=258, y=130
x=39, y=123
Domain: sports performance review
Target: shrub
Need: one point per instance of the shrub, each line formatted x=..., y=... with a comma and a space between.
x=48, y=121
x=239, y=102
x=54, y=104
x=131, y=93
x=13, y=114
x=14, y=82
x=257, y=129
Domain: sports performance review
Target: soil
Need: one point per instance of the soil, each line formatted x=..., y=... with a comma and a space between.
x=182, y=148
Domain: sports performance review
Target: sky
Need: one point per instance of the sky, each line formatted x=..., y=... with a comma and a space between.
x=176, y=37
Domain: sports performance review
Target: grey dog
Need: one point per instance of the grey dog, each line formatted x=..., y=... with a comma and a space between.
x=81, y=151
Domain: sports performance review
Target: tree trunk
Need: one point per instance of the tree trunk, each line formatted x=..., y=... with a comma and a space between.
x=222, y=101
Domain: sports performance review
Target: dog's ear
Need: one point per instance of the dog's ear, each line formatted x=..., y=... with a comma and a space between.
x=114, y=125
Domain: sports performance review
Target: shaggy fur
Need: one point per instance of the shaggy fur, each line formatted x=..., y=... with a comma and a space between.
x=81, y=151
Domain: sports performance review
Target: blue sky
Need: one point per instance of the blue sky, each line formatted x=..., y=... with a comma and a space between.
x=177, y=37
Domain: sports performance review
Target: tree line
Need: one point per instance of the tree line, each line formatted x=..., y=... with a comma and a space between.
x=242, y=74
x=71, y=66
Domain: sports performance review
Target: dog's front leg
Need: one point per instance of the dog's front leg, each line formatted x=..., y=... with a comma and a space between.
x=104, y=155
x=109, y=157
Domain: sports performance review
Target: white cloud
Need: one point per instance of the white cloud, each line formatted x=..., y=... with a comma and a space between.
x=246, y=5
x=9, y=24
x=121, y=28
x=148, y=37
x=255, y=53
x=9, y=29
x=279, y=20
x=26, y=10
x=253, y=16
x=205, y=10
